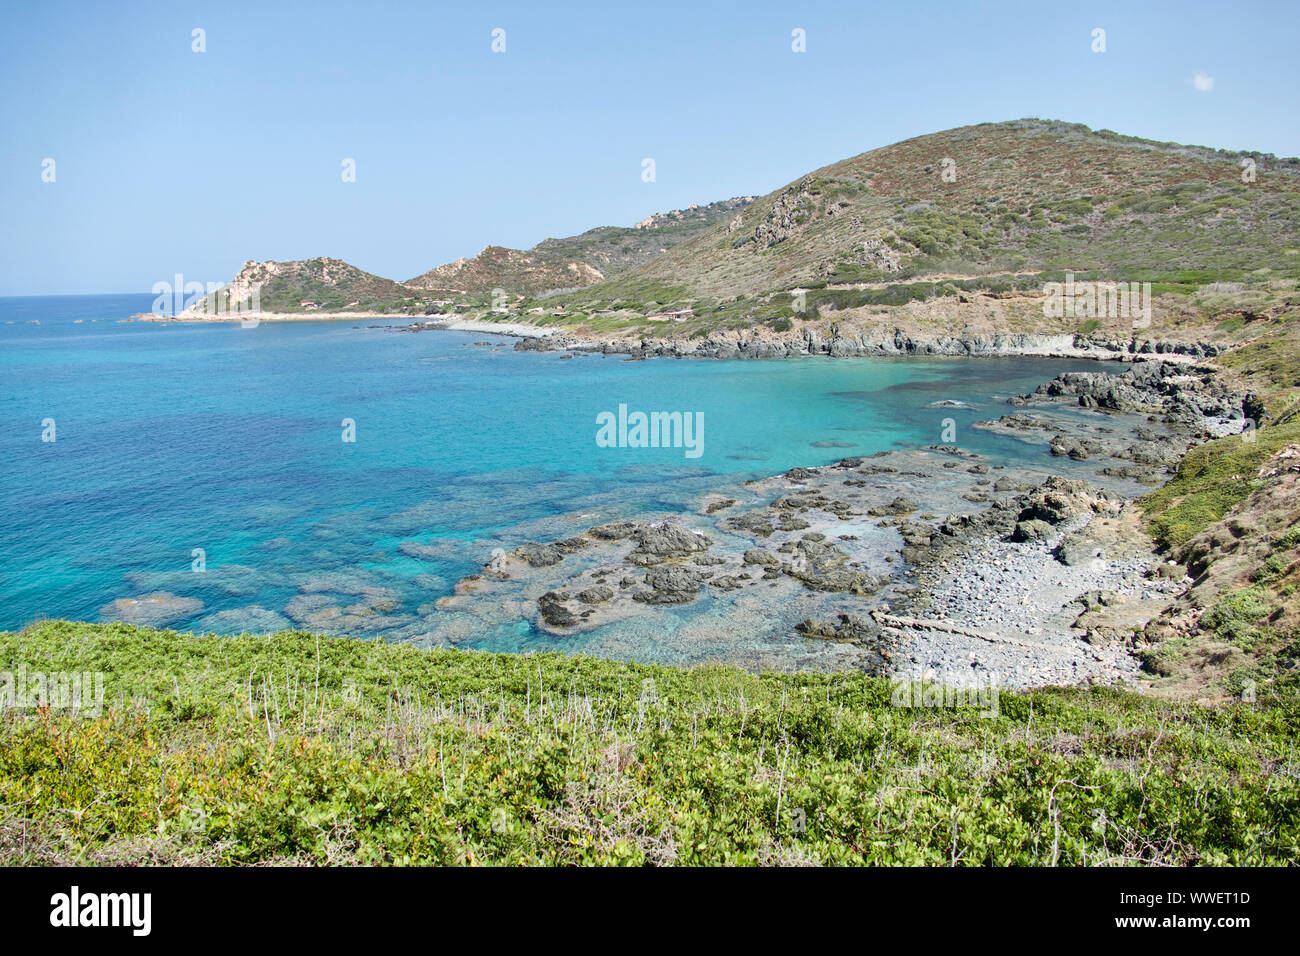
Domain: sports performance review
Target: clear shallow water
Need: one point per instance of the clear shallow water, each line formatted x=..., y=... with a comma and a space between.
x=171, y=438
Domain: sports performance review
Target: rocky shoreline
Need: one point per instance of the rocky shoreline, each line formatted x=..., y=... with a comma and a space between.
x=1025, y=569
x=926, y=563
x=837, y=340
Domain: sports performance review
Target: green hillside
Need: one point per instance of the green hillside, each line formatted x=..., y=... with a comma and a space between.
x=324, y=284
x=615, y=249
x=1028, y=195
x=332, y=285
x=294, y=749
x=1020, y=203
x=565, y=264
x=510, y=270
x=997, y=208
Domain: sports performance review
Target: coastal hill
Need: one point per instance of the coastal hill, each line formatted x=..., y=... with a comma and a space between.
x=309, y=285
x=1028, y=195
x=328, y=285
x=497, y=267
x=951, y=231
x=565, y=264
x=615, y=249
x=960, y=231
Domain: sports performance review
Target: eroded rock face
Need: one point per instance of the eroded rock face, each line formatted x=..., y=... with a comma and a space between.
x=1031, y=530
x=1227, y=556
x=788, y=214
x=1084, y=545
x=1152, y=387
x=1058, y=499
x=1027, y=517
x=1110, y=618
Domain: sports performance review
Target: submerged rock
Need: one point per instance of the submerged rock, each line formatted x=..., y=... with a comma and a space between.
x=824, y=567
x=676, y=584
x=596, y=595
x=551, y=606
x=246, y=620
x=540, y=555
x=150, y=610
x=758, y=523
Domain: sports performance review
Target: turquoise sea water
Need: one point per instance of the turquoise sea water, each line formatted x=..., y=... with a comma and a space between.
x=215, y=437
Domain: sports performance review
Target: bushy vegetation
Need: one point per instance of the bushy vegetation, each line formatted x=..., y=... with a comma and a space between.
x=615, y=249
x=1033, y=197
x=1029, y=195
x=1237, y=618
x=1210, y=480
x=330, y=285
x=296, y=749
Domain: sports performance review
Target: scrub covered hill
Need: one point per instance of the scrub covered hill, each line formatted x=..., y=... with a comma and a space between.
x=332, y=285
x=565, y=264
x=497, y=267
x=993, y=210
x=1022, y=196
x=615, y=249
x=308, y=285
x=296, y=749
x=958, y=233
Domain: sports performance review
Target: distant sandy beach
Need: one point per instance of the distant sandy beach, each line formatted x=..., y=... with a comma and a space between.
x=447, y=322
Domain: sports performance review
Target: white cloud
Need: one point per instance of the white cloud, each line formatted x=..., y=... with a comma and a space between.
x=1202, y=81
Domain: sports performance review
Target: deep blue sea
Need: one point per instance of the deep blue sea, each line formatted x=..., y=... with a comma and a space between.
x=180, y=437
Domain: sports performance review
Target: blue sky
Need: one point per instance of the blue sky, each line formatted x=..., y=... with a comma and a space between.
x=170, y=161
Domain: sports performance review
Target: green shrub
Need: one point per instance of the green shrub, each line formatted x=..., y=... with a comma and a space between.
x=291, y=748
